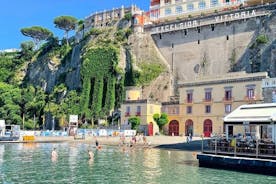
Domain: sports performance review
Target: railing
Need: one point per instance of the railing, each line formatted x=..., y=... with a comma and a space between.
x=228, y=99
x=239, y=147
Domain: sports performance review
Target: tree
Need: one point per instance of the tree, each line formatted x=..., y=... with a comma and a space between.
x=161, y=120
x=27, y=50
x=66, y=23
x=38, y=33
x=81, y=27
x=135, y=122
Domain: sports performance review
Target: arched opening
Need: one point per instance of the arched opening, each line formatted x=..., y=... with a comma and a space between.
x=174, y=128
x=189, y=127
x=207, y=128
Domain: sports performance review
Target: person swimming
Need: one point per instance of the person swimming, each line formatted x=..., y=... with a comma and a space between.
x=98, y=146
x=54, y=154
x=90, y=154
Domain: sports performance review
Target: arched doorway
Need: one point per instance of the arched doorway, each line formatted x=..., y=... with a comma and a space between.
x=189, y=127
x=207, y=128
x=174, y=128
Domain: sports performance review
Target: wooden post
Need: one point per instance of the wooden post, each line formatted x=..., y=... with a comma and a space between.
x=201, y=144
x=235, y=147
x=216, y=146
x=257, y=148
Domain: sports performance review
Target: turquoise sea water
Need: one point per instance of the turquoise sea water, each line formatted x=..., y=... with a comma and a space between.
x=32, y=163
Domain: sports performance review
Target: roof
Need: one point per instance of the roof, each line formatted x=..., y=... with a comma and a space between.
x=253, y=113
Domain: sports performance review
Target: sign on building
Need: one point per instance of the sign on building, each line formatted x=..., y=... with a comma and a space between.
x=73, y=119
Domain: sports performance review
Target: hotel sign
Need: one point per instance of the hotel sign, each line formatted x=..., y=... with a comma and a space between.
x=202, y=22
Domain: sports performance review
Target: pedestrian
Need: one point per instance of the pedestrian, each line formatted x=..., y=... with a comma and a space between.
x=191, y=137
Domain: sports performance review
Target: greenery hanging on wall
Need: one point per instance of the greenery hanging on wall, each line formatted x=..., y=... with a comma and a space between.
x=100, y=76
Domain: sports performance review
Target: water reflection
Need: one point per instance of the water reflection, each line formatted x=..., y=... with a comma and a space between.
x=151, y=164
x=110, y=165
x=2, y=150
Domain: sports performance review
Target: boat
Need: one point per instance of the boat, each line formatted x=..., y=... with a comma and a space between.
x=9, y=132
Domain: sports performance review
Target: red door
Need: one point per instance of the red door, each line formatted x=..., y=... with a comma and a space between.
x=174, y=128
x=150, y=129
x=207, y=128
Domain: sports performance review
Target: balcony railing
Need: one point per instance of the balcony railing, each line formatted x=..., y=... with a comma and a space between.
x=207, y=100
x=138, y=113
x=127, y=114
x=228, y=99
x=250, y=99
x=189, y=100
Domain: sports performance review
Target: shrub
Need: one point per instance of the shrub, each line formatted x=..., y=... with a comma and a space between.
x=262, y=39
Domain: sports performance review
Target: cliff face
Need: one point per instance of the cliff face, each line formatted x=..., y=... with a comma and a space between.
x=47, y=73
x=144, y=50
x=230, y=46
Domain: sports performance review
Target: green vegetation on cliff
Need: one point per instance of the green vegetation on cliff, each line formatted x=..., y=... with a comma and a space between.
x=99, y=76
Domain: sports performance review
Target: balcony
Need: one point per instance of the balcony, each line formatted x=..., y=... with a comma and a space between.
x=207, y=100
x=127, y=114
x=138, y=113
x=228, y=99
x=189, y=101
x=250, y=99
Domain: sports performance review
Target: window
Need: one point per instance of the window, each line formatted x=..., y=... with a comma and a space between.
x=190, y=7
x=228, y=108
x=167, y=1
x=178, y=9
x=178, y=1
x=190, y=97
x=127, y=111
x=138, y=111
x=228, y=94
x=214, y=2
x=208, y=95
x=207, y=109
x=250, y=93
x=189, y=109
x=201, y=5
x=168, y=11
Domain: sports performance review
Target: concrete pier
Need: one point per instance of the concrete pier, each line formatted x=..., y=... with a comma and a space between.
x=244, y=164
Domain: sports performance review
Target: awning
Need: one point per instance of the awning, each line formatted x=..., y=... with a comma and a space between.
x=253, y=113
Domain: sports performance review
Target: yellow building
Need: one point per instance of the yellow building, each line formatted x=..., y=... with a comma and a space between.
x=143, y=108
x=163, y=9
x=172, y=110
x=203, y=103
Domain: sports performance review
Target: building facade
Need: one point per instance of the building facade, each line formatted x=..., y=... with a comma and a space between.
x=172, y=109
x=160, y=9
x=269, y=90
x=134, y=106
x=203, y=103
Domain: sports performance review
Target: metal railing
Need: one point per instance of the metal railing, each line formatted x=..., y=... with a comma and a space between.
x=239, y=147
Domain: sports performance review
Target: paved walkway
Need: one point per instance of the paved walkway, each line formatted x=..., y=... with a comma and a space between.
x=164, y=142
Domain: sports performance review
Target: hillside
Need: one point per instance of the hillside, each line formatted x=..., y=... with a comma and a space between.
x=88, y=76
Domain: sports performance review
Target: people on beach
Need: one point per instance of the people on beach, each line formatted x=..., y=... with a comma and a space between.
x=144, y=140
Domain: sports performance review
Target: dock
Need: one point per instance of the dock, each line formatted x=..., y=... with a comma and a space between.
x=244, y=164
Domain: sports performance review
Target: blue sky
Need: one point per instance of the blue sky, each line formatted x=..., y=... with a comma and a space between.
x=16, y=14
